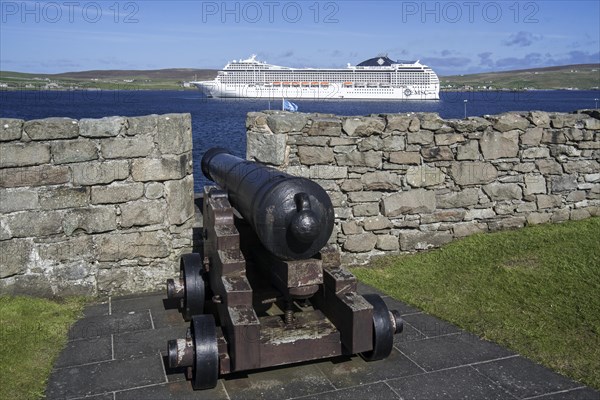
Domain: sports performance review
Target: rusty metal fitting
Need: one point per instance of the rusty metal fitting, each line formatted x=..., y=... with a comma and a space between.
x=397, y=321
x=175, y=288
x=180, y=352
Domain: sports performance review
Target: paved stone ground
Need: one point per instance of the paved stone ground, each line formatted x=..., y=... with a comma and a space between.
x=117, y=352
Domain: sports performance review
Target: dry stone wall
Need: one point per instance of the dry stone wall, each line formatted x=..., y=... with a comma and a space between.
x=408, y=182
x=94, y=206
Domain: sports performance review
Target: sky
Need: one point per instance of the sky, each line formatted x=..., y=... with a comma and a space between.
x=453, y=37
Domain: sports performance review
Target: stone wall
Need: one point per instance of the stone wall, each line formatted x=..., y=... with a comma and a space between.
x=94, y=206
x=407, y=182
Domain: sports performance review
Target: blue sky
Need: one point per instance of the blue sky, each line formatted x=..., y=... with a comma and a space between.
x=453, y=37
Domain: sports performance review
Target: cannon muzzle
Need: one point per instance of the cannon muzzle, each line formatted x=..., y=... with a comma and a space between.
x=292, y=216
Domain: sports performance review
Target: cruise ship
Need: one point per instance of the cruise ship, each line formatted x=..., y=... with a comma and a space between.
x=376, y=78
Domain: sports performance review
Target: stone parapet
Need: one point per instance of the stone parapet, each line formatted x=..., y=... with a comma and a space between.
x=94, y=206
x=409, y=182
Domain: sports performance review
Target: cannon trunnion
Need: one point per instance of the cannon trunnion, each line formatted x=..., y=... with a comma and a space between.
x=265, y=291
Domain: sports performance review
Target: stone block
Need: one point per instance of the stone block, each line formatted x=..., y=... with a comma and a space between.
x=575, y=134
x=539, y=118
x=419, y=137
x=311, y=155
x=464, y=198
x=145, y=125
x=140, y=213
x=560, y=215
x=325, y=127
x=266, y=148
x=130, y=246
x=548, y=201
x=405, y=157
x=473, y=173
x=397, y=122
x=364, y=197
x=443, y=216
x=299, y=170
x=51, y=128
x=591, y=124
x=180, y=200
x=90, y=220
x=365, y=210
x=342, y=141
x=309, y=140
x=10, y=129
x=394, y=143
x=370, y=143
x=553, y=136
x=507, y=223
x=562, y=120
x=510, y=121
x=23, y=154
x=563, y=183
x=496, y=145
x=443, y=153
x=471, y=124
x=411, y=240
x=327, y=172
x=161, y=169
x=537, y=218
x=33, y=223
x=153, y=190
x=503, y=191
x=15, y=256
x=72, y=151
x=351, y=185
x=381, y=180
x=424, y=176
x=94, y=173
x=561, y=150
x=138, y=146
x=360, y=243
x=376, y=223
x=468, y=228
x=549, y=167
x=468, y=151
x=579, y=214
x=479, y=213
x=590, y=145
x=534, y=184
x=174, y=133
x=431, y=121
x=582, y=167
x=117, y=192
x=102, y=127
x=447, y=139
x=524, y=167
x=371, y=159
x=55, y=198
x=338, y=199
x=18, y=200
x=387, y=243
x=351, y=228
x=363, y=126
x=76, y=248
x=411, y=202
x=284, y=122
x=536, y=152
x=34, y=176
x=532, y=137
x=415, y=125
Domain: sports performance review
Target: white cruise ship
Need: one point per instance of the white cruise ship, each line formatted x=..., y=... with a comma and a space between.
x=376, y=78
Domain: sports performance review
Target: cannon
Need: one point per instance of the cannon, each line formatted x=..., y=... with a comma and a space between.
x=265, y=289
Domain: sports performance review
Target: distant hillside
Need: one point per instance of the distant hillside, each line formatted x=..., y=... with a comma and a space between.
x=579, y=76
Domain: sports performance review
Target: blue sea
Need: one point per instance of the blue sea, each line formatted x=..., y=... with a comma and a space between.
x=221, y=122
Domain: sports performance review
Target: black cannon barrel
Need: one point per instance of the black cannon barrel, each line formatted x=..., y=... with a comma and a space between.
x=292, y=216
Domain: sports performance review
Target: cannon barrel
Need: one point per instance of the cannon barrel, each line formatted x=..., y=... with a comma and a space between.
x=292, y=216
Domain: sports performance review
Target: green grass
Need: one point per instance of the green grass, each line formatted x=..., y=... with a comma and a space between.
x=535, y=290
x=32, y=333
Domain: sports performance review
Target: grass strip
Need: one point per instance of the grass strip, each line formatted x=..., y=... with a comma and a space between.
x=535, y=290
x=32, y=333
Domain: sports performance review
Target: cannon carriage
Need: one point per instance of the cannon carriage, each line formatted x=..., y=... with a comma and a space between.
x=265, y=289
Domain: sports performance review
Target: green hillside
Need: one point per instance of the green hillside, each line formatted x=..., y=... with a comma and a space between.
x=582, y=76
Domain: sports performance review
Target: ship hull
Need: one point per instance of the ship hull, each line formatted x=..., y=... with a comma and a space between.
x=332, y=91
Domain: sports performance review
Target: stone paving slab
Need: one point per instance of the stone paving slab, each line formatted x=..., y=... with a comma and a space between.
x=117, y=351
